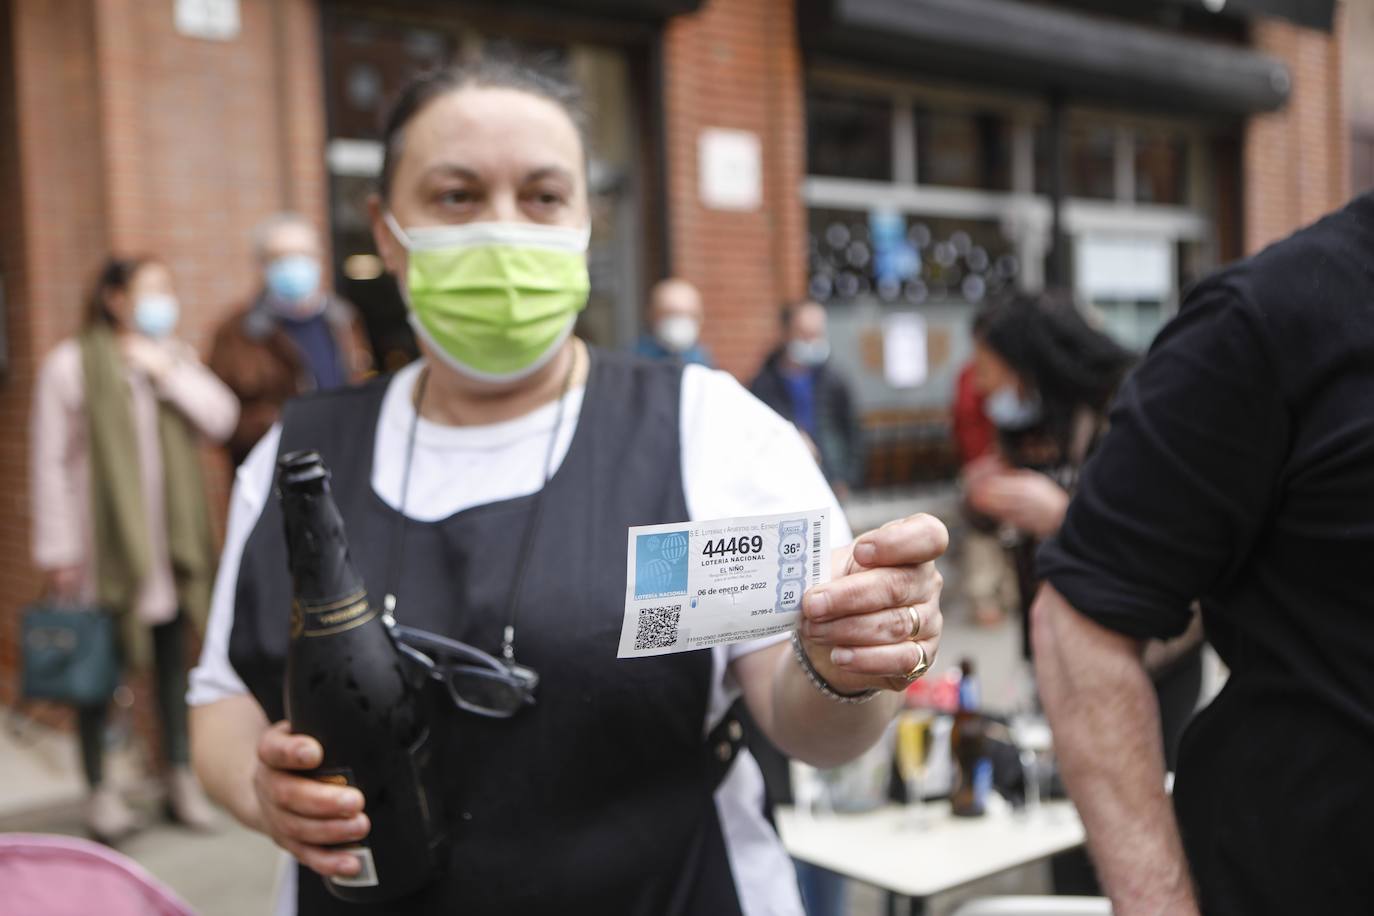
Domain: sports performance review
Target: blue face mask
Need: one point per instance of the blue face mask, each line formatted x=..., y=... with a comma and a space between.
x=156, y=314
x=1008, y=410
x=294, y=277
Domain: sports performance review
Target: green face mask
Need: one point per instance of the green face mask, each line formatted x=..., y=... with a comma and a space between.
x=494, y=300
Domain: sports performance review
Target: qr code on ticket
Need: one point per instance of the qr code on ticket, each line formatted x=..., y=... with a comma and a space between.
x=658, y=627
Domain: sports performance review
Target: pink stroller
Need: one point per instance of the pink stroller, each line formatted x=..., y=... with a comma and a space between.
x=42, y=875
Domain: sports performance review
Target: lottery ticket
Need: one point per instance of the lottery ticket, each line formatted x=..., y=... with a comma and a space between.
x=700, y=584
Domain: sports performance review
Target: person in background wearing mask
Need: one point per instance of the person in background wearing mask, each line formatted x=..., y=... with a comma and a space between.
x=294, y=337
x=119, y=511
x=675, y=318
x=1047, y=378
x=513, y=456
x=988, y=580
x=797, y=381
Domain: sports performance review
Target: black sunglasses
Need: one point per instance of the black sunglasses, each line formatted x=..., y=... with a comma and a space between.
x=477, y=682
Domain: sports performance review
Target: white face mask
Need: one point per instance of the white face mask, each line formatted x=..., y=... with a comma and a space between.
x=677, y=332
x=808, y=353
x=156, y=314
x=1008, y=410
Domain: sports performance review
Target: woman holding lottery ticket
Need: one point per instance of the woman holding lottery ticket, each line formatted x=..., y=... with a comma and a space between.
x=512, y=461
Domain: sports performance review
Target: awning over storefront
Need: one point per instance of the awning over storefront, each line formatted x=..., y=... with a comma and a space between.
x=1316, y=14
x=1041, y=48
x=631, y=9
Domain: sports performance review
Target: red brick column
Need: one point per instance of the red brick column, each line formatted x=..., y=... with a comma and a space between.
x=1295, y=159
x=119, y=135
x=735, y=64
x=50, y=238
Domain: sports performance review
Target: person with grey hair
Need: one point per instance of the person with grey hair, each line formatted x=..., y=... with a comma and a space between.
x=293, y=337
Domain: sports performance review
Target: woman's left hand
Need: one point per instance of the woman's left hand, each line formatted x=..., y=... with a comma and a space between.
x=1024, y=499
x=863, y=628
x=153, y=358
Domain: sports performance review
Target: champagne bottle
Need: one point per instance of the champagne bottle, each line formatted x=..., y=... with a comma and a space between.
x=348, y=687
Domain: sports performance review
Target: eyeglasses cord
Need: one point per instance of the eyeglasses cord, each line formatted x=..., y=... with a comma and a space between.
x=402, y=525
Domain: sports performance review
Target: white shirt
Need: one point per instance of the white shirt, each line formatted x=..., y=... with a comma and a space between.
x=738, y=458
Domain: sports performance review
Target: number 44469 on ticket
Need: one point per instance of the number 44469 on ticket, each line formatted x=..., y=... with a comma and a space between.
x=701, y=584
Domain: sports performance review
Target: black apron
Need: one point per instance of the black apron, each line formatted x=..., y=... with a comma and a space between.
x=599, y=798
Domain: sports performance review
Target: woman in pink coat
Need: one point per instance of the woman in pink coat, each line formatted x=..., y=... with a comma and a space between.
x=120, y=519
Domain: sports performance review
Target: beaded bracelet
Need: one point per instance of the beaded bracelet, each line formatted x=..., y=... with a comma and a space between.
x=820, y=683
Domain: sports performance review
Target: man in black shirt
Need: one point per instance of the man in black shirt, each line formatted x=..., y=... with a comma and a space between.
x=1239, y=471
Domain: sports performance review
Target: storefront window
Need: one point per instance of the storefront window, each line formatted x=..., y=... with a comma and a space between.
x=963, y=150
x=369, y=62
x=1161, y=168
x=848, y=137
x=903, y=267
x=1089, y=161
x=907, y=260
x=1092, y=162
x=1129, y=282
x=1361, y=159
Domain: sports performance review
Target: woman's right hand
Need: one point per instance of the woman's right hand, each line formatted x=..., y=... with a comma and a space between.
x=304, y=815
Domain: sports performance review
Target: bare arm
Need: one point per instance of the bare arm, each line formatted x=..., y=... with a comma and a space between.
x=1105, y=718
x=802, y=722
x=224, y=738
x=857, y=632
x=248, y=767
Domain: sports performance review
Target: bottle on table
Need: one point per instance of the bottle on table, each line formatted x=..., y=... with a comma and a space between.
x=348, y=687
x=973, y=766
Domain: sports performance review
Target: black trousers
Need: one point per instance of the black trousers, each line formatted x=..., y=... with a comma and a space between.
x=169, y=683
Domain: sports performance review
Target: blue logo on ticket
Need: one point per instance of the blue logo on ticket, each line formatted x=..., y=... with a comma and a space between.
x=661, y=565
x=701, y=584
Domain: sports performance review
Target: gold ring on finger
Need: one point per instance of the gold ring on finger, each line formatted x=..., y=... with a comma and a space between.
x=915, y=622
x=921, y=666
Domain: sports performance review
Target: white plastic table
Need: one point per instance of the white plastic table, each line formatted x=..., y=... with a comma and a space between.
x=882, y=849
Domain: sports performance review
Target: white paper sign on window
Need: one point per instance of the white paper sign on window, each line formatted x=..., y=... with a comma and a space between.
x=1124, y=268
x=215, y=20
x=730, y=169
x=905, y=357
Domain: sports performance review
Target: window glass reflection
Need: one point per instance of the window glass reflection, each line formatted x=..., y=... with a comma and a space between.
x=1161, y=168
x=963, y=150
x=1089, y=161
x=909, y=260
x=848, y=136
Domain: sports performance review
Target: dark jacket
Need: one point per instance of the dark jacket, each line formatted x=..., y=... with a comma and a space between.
x=259, y=361
x=839, y=438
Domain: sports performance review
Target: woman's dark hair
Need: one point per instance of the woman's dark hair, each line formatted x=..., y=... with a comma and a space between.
x=536, y=78
x=114, y=277
x=1066, y=361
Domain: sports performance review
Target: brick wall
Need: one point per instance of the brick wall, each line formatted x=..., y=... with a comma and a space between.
x=16, y=382
x=735, y=64
x=50, y=241
x=131, y=138
x=204, y=138
x=1295, y=160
